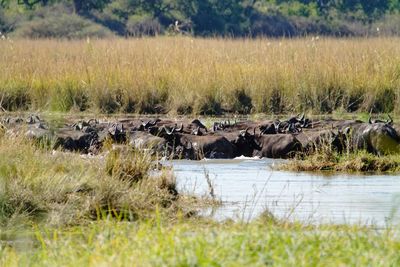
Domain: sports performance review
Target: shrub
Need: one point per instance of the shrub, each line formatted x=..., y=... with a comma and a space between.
x=208, y=105
x=68, y=26
x=139, y=25
x=242, y=102
x=17, y=99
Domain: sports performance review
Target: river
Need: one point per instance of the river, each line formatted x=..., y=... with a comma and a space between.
x=248, y=187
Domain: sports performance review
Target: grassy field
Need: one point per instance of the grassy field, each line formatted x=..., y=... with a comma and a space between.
x=201, y=76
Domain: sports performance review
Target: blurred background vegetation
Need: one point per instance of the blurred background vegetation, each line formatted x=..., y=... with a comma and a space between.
x=232, y=18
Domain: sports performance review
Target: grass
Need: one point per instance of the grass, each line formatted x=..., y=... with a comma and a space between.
x=190, y=242
x=360, y=161
x=56, y=188
x=179, y=75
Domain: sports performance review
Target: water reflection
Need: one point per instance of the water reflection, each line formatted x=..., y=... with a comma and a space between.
x=248, y=187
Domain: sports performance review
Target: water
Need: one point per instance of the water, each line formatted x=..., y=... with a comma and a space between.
x=248, y=187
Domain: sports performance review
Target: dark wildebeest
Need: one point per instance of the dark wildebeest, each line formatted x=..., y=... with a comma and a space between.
x=73, y=140
x=227, y=126
x=270, y=146
x=144, y=140
x=292, y=125
x=194, y=127
x=377, y=138
x=213, y=147
x=270, y=127
x=198, y=147
x=276, y=146
x=243, y=142
x=313, y=140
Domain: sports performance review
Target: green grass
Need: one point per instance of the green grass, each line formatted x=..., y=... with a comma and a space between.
x=201, y=243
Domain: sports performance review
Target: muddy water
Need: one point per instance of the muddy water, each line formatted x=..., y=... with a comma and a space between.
x=248, y=187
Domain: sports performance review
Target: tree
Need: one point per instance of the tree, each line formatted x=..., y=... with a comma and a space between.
x=84, y=6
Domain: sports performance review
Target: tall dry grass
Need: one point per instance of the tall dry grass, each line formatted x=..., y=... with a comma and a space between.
x=59, y=189
x=201, y=76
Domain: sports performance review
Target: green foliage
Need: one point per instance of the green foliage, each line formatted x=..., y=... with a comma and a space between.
x=61, y=26
x=212, y=17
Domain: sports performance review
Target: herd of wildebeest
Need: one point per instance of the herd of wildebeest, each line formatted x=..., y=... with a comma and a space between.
x=191, y=139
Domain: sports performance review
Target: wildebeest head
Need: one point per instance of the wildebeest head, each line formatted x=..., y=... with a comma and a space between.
x=245, y=143
x=117, y=132
x=149, y=124
x=286, y=127
x=199, y=125
x=269, y=128
x=32, y=119
x=338, y=141
x=171, y=135
x=197, y=131
x=293, y=124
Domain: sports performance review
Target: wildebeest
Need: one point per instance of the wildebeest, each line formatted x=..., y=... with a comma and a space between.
x=331, y=139
x=227, y=126
x=73, y=140
x=145, y=140
x=292, y=125
x=277, y=146
x=213, y=147
x=242, y=141
x=377, y=138
x=198, y=147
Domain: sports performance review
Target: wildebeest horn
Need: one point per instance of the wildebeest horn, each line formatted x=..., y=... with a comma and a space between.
x=302, y=117
x=254, y=131
x=197, y=131
x=180, y=129
x=244, y=132
x=370, y=120
x=92, y=120
x=277, y=126
x=168, y=131
x=153, y=123
x=146, y=124
x=390, y=120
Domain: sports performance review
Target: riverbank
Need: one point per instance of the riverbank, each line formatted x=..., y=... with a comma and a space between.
x=352, y=162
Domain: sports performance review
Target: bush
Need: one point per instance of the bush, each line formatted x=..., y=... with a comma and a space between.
x=389, y=25
x=139, y=25
x=241, y=103
x=68, y=26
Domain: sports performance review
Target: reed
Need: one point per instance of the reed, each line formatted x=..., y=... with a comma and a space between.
x=181, y=75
